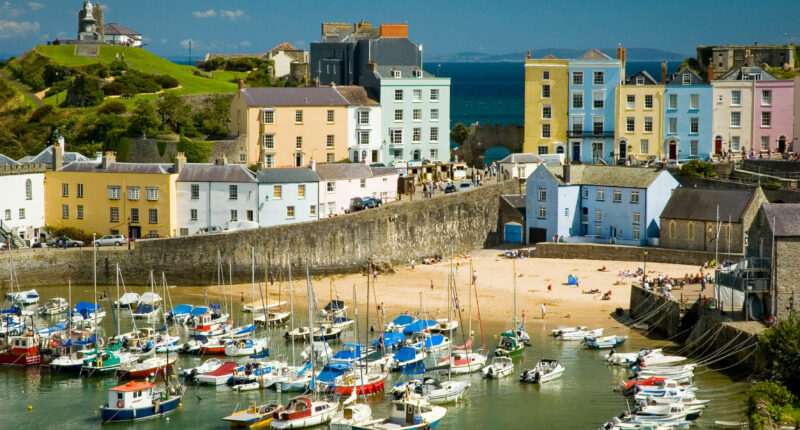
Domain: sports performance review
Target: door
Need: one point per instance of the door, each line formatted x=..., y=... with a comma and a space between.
x=623, y=150
x=612, y=232
x=576, y=151
x=781, y=144
x=298, y=159
x=673, y=151
x=513, y=233
x=597, y=152
x=134, y=232
x=374, y=156
x=718, y=145
x=537, y=235
x=585, y=221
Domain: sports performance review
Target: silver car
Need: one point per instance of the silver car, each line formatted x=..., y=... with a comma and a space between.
x=111, y=239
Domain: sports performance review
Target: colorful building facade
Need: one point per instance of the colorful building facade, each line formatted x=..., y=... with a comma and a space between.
x=773, y=116
x=687, y=117
x=640, y=119
x=546, y=93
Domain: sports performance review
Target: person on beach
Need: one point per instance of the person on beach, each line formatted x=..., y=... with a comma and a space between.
x=431, y=284
x=524, y=316
x=474, y=276
x=549, y=288
x=544, y=311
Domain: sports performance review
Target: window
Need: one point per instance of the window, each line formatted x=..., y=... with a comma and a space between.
x=577, y=125
x=577, y=78
x=269, y=141
x=184, y=231
x=312, y=210
x=672, y=229
x=301, y=191
x=80, y=212
x=29, y=189
x=736, y=119
x=8, y=214
x=268, y=116
x=637, y=218
x=644, y=146
x=398, y=114
x=566, y=212
x=686, y=79
x=636, y=233
x=434, y=114
x=434, y=156
x=277, y=192
x=152, y=194
x=648, y=101
x=298, y=142
x=152, y=216
x=363, y=183
x=195, y=191
x=545, y=75
x=547, y=112
x=64, y=190
x=764, y=143
x=545, y=131
x=434, y=134
x=672, y=125
x=601, y=194
x=617, y=196
x=397, y=135
x=597, y=125
x=585, y=193
x=634, y=196
x=133, y=193
x=691, y=230
x=598, y=100
x=330, y=117
x=416, y=135
x=290, y=212
x=598, y=216
x=363, y=117
x=398, y=95
x=693, y=144
x=648, y=124
x=599, y=78
x=736, y=98
x=598, y=229
x=363, y=138
x=329, y=141
x=545, y=91
x=64, y=212
x=577, y=100
x=234, y=215
x=434, y=95
x=330, y=158
x=417, y=95
x=542, y=194
x=135, y=215
x=113, y=192
x=630, y=124
x=735, y=143
x=766, y=97
x=694, y=101
x=298, y=116
x=542, y=149
x=398, y=154
x=331, y=187
x=630, y=102
x=114, y=215
x=269, y=160
x=672, y=101
x=766, y=119
x=694, y=125
x=416, y=115
x=79, y=193
x=397, y=74
x=542, y=212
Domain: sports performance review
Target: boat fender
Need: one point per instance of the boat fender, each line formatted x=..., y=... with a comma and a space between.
x=235, y=372
x=120, y=404
x=350, y=381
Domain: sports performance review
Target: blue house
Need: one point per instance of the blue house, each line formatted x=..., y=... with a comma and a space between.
x=687, y=117
x=593, y=79
x=595, y=203
x=287, y=195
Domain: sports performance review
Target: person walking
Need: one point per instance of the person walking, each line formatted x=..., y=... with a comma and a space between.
x=544, y=311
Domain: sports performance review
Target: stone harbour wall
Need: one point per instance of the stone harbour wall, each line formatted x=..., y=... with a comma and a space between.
x=592, y=251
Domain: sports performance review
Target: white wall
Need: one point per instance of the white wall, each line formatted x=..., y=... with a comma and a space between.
x=374, y=128
x=214, y=205
x=13, y=198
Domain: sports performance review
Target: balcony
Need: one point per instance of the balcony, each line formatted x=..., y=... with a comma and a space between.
x=750, y=275
x=589, y=133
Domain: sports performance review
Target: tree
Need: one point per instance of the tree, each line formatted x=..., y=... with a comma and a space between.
x=195, y=151
x=459, y=133
x=144, y=119
x=699, y=169
x=84, y=91
x=782, y=348
x=175, y=114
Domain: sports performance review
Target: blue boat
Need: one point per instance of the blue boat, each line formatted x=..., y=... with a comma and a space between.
x=145, y=311
x=349, y=353
x=138, y=401
x=418, y=326
x=180, y=313
x=406, y=356
x=86, y=309
x=52, y=329
x=390, y=340
x=399, y=323
x=329, y=373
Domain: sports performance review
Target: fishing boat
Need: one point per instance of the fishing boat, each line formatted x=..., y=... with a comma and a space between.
x=351, y=415
x=128, y=300
x=146, y=368
x=606, y=342
x=135, y=401
x=303, y=412
x=254, y=417
x=545, y=370
x=22, y=351
x=180, y=314
x=24, y=298
x=560, y=331
x=335, y=308
x=464, y=362
x=509, y=346
x=581, y=334
x=409, y=413
x=445, y=326
x=246, y=347
x=433, y=390
x=406, y=356
x=207, y=325
x=54, y=306
x=209, y=365
x=500, y=367
x=218, y=376
x=399, y=323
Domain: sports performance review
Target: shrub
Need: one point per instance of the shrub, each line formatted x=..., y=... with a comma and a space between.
x=196, y=151
x=114, y=88
x=40, y=113
x=84, y=91
x=70, y=232
x=782, y=348
x=167, y=81
x=112, y=107
x=697, y=168
x=769, y=401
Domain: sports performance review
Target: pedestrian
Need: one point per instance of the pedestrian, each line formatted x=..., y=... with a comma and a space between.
x=524, y=316
x=424, y=189
x=375, y=275
x=544, y=311
x=474, y=276
x=702, y=284
x=271, y=278
x=431, y=284
x=549, y=288
x=242, y=297
x=457, y=264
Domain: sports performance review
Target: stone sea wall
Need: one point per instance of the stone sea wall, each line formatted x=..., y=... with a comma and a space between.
x=590, y=251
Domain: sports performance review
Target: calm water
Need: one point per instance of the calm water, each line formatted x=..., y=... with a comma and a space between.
x=581, y=399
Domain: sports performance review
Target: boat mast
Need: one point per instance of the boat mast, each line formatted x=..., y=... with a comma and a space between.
x=72, y=313
x=94, y=266
x=514, y=263
x=253, y=283
x=291, y=312
x=358, y=347
x=469, y=296
x=230, y=292
x=310, y=292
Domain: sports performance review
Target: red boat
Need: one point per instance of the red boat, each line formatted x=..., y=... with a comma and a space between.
x=23, y=351
x=649, y=381
x=214, y=346
x=371, y=384
x=147, y=368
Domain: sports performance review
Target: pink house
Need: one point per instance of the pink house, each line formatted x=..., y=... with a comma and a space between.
x=773, y=116
x=340, y=183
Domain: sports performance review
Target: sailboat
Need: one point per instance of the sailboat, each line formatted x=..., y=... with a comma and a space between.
x=255, y=416
x=510, y=344
x=407, y=414
x=250, y=345
x=296, y=378
x=464, y=360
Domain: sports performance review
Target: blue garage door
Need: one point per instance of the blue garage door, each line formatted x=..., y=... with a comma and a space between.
x=513, y=233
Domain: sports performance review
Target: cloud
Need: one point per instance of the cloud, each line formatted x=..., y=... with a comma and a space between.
x=245, y=43
x=13, y=29
x=232, y=15
x=36, y=6
x=8, y=11
x=207, y=14
x=164, y=41
x=186, y=43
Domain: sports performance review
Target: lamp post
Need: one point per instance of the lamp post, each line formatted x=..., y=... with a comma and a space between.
x=129, y=233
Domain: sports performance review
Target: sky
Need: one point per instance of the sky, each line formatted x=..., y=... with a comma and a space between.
x=442, y=26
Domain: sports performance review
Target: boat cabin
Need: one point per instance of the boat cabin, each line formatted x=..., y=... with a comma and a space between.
x=297, y=408
x=204, y=322
x=131, y=395
x=24, y=345
x=409, y=412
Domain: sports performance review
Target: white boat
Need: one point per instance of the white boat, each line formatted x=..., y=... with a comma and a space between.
x=207, y=366
x=687, y=399
x=150, y=298
x=350, y=415
x=336, y=308
x=247, y=386
x=545, y=370
x=500, y=367
x=54, y=306
x=303, y=412
x=295, y=378
x=434, y=343
x=337, y=322
x=298, y=333
x=407, y=414
x=127, y=300
x=559, y=331
x=218, y=376
x=464, y=362
x=690, y=413
x=258, y=306
x=606, y=342
x=24, y=298
x=445, y=325
x=273, y=317
x=651, y=357
x=322, y=351
x=581, y=334
x=398, y=324
x=246, y=347
x=617, y=424
x=433, y=390
x=406, y=356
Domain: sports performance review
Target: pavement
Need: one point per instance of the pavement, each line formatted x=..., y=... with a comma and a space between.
x=22, y=88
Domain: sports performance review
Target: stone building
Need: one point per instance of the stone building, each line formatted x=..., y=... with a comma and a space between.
x=90, y=22
x=727, y=57
x=511, y=218
x=692, y=216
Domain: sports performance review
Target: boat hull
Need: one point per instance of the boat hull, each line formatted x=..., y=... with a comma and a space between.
x=135, y=414
x=313, y=420
x=7, y=359
x=143, y=373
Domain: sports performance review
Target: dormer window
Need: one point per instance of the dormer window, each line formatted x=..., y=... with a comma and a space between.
x=417, y=73
x=687, y=79
x=396, y=74
x=640, y=80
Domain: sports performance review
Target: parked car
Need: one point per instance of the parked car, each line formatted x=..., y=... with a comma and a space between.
x=241, y=225
x=356, y=204
x=39, y=245
x=464, y=186
x=673, y=164
x=62, y=241
x=111, y=240
x=450, y=188
x=371, y=202
x=210, y=230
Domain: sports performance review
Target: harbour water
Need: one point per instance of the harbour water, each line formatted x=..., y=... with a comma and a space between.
x=581, y=399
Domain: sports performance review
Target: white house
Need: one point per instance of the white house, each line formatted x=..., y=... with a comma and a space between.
x=215, y=195
x=118, y=34
x=22, y=202
x=287, y=195
x=517, y=166
x=283, y=56
x=363, y=125
x=340, y=183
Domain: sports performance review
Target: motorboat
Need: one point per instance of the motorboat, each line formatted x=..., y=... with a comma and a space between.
x=22, y=351
x=298, y=333
x=322, y=351
x=218, y=376
x=606, y=342
x=406, y=356
x=389, y=340
x=128, y=300
x=687, y=399
x=350, y=415
x=255, y=416
x=179, y=314
x=650, y=357
x=666, y=388
x=145, y=311
x=581, y=334
x=303, y=412
x=409, y=413
x=24, y=298
x=54, y=306
x=87, y=311
x=464, y=362
x=617, y=423
x=689, y=413
x=445, y=326
x=208, y=325
x=106, y=361
x=560, y=331
x=335, y=308
x=135, y=401
x=500, y=367
x=146, y=368
x=509, y=346
x=399, y=323
x=209, y=365
x=327, y=333
x=545, y=370
x=364, y=383
x=627, y=387
x=246, y=347
x=435, y=391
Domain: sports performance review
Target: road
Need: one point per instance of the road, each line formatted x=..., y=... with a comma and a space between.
x=22, y=88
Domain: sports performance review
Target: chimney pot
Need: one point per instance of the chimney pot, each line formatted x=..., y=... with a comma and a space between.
x=58, y=156
x=663, y=73
x=180, y=162
x=710, y=69
x=241, y=84
x=566, y=172
x=110, y=157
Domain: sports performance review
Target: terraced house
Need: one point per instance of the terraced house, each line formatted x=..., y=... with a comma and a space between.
x=640, y=114
x=546, y=89
x=687, y=116
x=732, y=118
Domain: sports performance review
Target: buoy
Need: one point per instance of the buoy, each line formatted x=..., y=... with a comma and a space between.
x=30, y=407
x=495, y=336
x=95, y=411
x=180, y=405
x=167, y=418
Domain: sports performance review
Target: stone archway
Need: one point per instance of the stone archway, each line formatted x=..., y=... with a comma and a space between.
x=485, y=136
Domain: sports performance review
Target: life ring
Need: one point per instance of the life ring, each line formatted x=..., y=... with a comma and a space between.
x=99, y=363
x=120, y=404
x=350, y=381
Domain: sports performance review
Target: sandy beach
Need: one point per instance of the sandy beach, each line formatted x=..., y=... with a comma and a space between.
x=566, y=305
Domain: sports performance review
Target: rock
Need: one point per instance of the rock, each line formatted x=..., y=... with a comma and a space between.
x=381, y=264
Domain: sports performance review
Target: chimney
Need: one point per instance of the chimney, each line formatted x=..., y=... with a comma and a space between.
x=58, y=156
x=109, y=158
x=566, y=172
x=312, y=164
x=619, y=51
x=710, y=69
x=372, y=66
x=624, y=55
x=529, y=55
x=180, y=161
x=663, y=73
x=241, y=84
x=221, y=159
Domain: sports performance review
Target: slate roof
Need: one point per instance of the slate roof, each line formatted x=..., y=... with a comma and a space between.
x=383, y=171
x=516, y=201
x=700, y=204
x=405, y=71
x=677, y=78
x=95, y=167
x=783, y=218
x=287, y=175
x=356, y=95
x=293, y=96
x=743, y=73
x=648, y=80
x=594, y=54
x=7, y=161
x=113, y=28
x=521, y=158
x=46, y=157
x=208, y=172
x=334, y=171
x=607, y=176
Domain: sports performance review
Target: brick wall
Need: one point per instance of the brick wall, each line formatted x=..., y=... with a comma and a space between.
x=590, y=251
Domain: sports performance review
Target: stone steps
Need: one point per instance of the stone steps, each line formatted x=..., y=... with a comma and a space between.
x=87, y=50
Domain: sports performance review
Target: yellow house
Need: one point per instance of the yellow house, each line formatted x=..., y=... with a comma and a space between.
x=291, y=126
x=133, y=199
x=640, y=118
x=546, y=109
